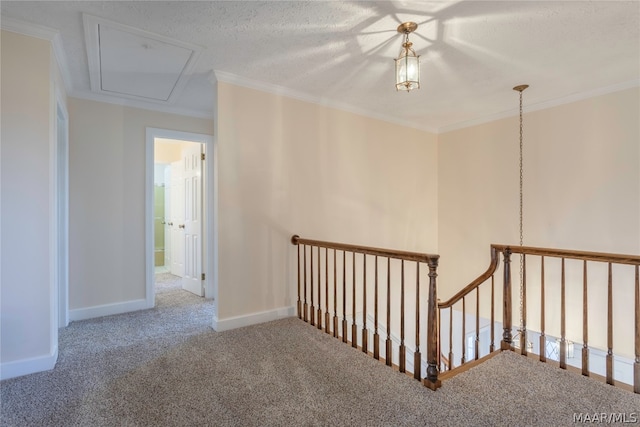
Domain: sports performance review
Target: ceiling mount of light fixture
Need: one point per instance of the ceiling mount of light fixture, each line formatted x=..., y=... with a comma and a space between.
x=408, y=63
x=407, y=27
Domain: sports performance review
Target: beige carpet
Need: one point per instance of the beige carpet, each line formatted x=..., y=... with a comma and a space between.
x=166, y=367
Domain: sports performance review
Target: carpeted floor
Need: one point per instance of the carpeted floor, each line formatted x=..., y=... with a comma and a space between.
x=167, y=367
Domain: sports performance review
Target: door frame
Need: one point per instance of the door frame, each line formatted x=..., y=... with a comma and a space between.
x=210, y=215
x=61, y=211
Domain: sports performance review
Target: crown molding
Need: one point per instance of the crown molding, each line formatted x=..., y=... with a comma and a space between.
x=45, y=33
x=169, y=109
x=61, y=59
x=27, y=28
x=542, y=105
x=230, y=78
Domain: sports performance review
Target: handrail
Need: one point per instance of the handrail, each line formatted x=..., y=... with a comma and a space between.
x=572, y=254
x=559, y=283
x=359, y=289
x=435, y=356
x=390, y=253
x=477, y=282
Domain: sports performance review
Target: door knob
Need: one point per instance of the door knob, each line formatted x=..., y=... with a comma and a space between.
x=181, y=226
x=170, y=224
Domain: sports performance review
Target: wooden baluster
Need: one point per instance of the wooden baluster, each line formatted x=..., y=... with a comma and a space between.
x=319, y=292
x=610, y=327
x=376, y=337
x=492, y=346
x=477, y=342
x=543, y=338
x=402, y=363
x=306, y=307
x=506, y=302
x=464, y=333
x=417, y=357
x=388, y=355
x=312, y=312
x=585, y=322
x=354, y=327
x=636, y=364
x=299, y=301
x=439, y=338
x=327, y=316
x=450, y=338
x=523, y=332
x=432, y=381
x=344, y=296
x=365, y=332
x=563, y=319
x=335, y=297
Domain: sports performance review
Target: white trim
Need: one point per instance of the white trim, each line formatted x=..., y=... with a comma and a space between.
x=27, y=28
x=107, y=309
x=61, y=183
x=61, y=59
x=290, y=93
x=149, y=250
x=252, y=318
x=169, y=109
x=541, y=106
x=45, y=33
x=18, y=368
x=210, y=252
x=395, y=339
x=53, y=210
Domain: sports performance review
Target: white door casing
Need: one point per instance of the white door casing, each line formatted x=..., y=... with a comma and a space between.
x=209, y=213
x=167, y=216
x=192, y=179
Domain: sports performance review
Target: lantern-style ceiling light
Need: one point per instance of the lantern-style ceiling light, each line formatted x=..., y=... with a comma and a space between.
x=408, y=63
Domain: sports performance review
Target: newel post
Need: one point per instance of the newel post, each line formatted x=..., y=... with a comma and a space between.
x=507, y=339
x=294, y=241
x=431, y=380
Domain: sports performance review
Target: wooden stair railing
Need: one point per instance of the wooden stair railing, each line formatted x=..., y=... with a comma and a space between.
x=314, y=253
x=460, y=300
x=626, y=268
x=484, y=314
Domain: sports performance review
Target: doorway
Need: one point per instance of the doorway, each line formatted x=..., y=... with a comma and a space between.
x=178, y=205
x=181, y=239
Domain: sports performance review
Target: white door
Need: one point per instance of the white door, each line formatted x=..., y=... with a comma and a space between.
x=167, y=216
x=176, y=223
x=192, y=160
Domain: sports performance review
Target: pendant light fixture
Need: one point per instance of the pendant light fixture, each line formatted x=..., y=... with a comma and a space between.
x=523, y=326
x=408, y=63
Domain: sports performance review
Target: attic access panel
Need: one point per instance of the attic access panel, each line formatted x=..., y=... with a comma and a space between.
x=132, y=63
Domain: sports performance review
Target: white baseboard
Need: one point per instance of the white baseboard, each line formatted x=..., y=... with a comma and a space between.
x=18, y=368
x=108, y=309
x=251, y=319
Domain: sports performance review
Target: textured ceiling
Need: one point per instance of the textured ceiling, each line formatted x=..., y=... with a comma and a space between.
x=341, y=52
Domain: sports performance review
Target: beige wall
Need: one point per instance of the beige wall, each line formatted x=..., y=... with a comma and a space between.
x=289, y=167
x=167, y=152
x=582, y=191
x=107, y=199
x=27, y=293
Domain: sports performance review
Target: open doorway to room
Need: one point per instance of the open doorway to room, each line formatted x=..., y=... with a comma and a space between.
x=178, y=221
x=178, y=212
